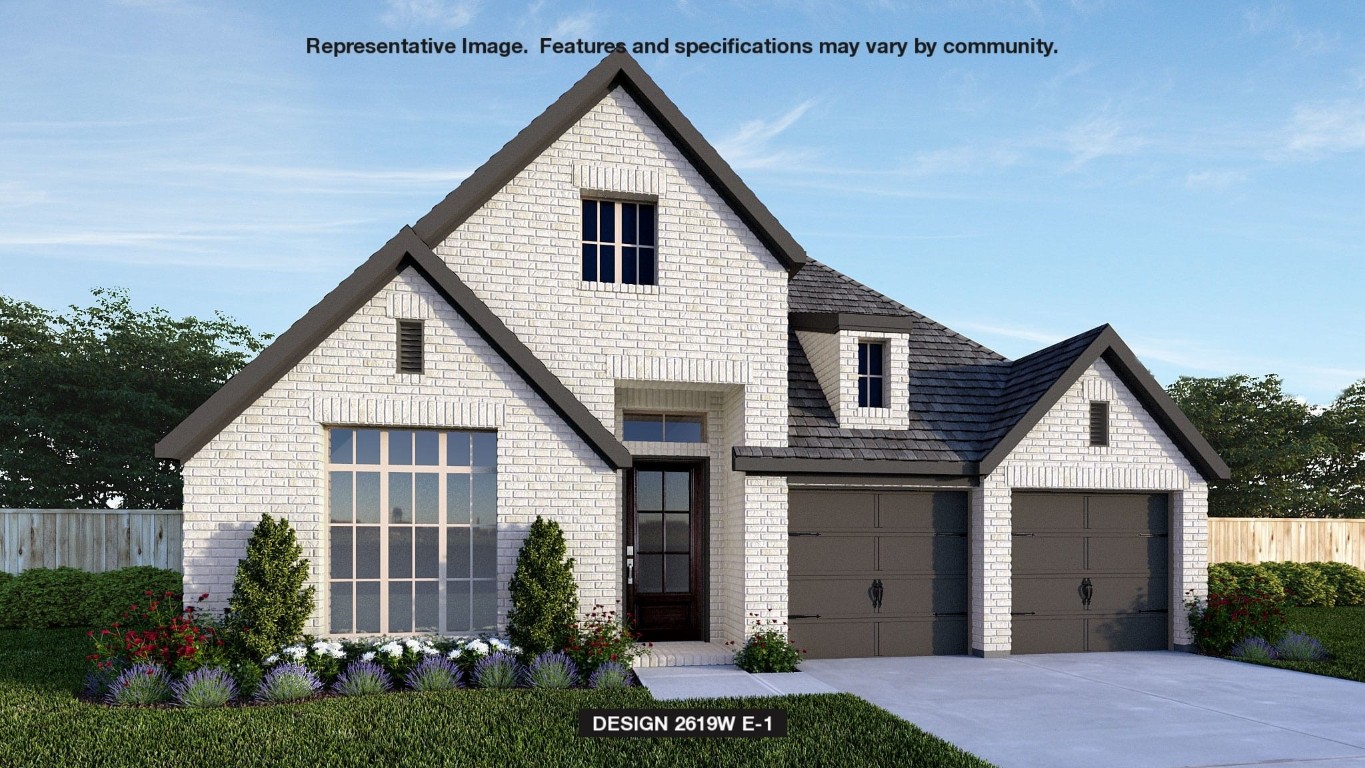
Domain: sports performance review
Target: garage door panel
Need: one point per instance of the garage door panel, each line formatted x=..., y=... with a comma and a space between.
x=1128, y=633
x=1109, y=594
x=1048, y=511
x=847, y=597
x=830, y=511
x=944, y=512
x=1144, y=512
x=925, y=637
x=829, y=553
x=1048, y=635
x=1049, y=554
x=940, y=554
x=1131, y=553
x=832, y=639
x=943, y=594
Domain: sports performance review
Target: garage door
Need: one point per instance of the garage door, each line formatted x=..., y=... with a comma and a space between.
x=878, y=573
x=1090, y=572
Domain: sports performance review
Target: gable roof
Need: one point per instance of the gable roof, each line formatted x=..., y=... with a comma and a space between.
x=616, y=70
x=404, y=251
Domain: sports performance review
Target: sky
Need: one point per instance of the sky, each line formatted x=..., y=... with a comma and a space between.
x=1191, y=173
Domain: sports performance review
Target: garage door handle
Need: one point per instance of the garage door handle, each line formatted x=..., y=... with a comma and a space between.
x=874, y=593
x=803, y=533
x=803, y=615
x=1087, y=592
x=1021, y=535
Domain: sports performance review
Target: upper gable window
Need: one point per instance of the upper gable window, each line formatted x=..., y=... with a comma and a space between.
x=618, y=242
x=871, y=379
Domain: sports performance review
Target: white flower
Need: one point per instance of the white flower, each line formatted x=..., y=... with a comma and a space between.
x=429, y=650
x=455, y=654
x=412, y=643
x=394, y=649
x=497, y=644
x=367, y=656
x=296, y=652
x=516, y=649
x=272, y=659
x=479, y=647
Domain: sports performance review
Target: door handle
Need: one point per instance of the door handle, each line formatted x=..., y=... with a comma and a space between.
x=630, y=571
x=1087, y=591
x=874, y=593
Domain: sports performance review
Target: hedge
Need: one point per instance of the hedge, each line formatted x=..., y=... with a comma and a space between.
x=40, y=598
x=1322, y=584
x=112, y=592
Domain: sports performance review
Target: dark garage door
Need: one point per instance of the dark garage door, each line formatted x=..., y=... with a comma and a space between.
x=1118, y=544
x=846, y=543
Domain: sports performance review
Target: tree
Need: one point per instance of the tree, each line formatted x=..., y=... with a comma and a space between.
x=269, y=603
x=1269, y=440
x=1341, y=470
x=544, y=594
x=84, y=397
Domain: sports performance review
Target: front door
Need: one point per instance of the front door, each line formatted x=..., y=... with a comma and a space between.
x=663, y=545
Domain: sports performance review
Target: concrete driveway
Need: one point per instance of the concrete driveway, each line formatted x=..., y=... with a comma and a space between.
x=1113, y=710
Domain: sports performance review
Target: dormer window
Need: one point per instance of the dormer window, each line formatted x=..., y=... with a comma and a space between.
x=618, y=242
x=871, y=379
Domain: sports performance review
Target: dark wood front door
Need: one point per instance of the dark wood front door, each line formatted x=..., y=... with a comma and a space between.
x=663, y=535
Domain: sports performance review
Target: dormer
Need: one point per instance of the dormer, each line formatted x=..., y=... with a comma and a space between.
x=862, y=363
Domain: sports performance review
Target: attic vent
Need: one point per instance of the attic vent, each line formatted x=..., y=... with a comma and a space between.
x=1099, y=423
x=409, y=346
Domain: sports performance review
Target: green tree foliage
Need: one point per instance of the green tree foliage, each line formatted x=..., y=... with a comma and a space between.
x=269, y=603
x=84, y=397
x=544, y=594
x=1342, y=468
x=1269, y=440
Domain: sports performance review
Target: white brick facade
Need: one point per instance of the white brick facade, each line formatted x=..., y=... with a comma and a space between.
x=1056, y=455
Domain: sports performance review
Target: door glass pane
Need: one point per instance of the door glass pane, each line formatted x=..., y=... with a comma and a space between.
x=485, y=449
x=457, y=449
x=649, y=573
x=649, y=491
x=367, y=606
x=677, y=491
x=485, y=605
x=367, y=446
x=649, y=532
x=457, y=499
x=676, y=535
x=457, y=606
x=426, y=606
x=400, y=606
x=485, y=552
x=457, y=552
x=341, y=552
x=341, y=496
x=427, y=560
x=400, y=447
x=341, y=606
x=485, y=499
x=427, y=498
x=367, y=497
x=428, y=448
x=342, y=448
x=367, y=552
x=400, y=553
x=400, y=497
x=675, y=573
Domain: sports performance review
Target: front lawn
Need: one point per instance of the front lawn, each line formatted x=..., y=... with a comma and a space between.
x=43, y=724
x=1342, y=632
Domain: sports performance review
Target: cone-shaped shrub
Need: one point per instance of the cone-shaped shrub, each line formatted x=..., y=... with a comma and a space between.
x=140, y=684
x=610, y=675
x=498, y=670
x=204, y=688
x=269, y=603
x=553, y=670
x=363, y=678
x=434, y=674
x=544, y=594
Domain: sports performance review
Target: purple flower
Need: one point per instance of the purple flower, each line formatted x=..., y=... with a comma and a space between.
x=434, y=674
x=140, y=684
x=363, y=678
x=205, y=687
x=613, y=674
x=498, y=670
x=288, y=682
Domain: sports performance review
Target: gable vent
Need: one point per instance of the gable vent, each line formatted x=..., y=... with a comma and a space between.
x=1099, y=423
x=409, y=346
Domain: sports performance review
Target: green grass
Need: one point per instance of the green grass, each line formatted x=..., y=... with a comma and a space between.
x=43, y=724
x=1341, y=631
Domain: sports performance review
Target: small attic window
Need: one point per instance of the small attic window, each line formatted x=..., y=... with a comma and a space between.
x=410, y=346
x=871, y=378
x=618, y=242
x=1099, y=423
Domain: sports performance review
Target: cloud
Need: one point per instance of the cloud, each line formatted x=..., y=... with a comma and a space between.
x=444, y=14
x=1319, y=129
x=968, y=158
x=575, y=26
x=749, y=146
x=402, y=179
x=1214, y=179
x=1099, y=136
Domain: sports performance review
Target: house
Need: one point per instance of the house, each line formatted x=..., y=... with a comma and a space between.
x=604, y=326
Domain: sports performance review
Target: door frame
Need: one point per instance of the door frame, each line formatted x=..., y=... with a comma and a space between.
x=698, y=567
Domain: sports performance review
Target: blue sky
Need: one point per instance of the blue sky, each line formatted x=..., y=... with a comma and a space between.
x=1193, y=174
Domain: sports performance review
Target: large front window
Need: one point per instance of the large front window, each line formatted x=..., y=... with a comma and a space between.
x=412, y=529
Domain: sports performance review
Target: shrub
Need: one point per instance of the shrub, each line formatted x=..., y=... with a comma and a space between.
x=1224, y=619
x=40, y=598
x=269, y=603
x=610, y=675
x=1253, y=649
x=401, y=656
x=767, y=649
x=1296, y=646
x=139, y=685
x=1347, y=581
x=499, y=670
x=544, y=594
x=287, y=682
x=467, y=653
x=162, y=630
x=553, y=670
x=599, y=638
x=110, y=593
x=1303, y=584
x=434, y=674
x=1241, y=578
x=363, y=678
x=324, y=658
x=248, y=675
x=205, y=688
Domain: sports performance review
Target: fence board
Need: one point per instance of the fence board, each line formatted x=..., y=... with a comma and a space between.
x=89, y=539
x=1304, y=540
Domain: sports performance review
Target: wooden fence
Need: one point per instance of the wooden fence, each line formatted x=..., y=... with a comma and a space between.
x=89, y=539
x=1260, y=539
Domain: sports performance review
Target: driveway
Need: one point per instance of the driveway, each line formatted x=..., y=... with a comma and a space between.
x=1113, y=710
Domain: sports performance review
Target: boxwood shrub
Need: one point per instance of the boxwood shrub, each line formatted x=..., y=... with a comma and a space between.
x=1304, y=585
x=40, y=598
x=1243, y=578
x=1347, y=581
x=1321, y=584
x=111, y=592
